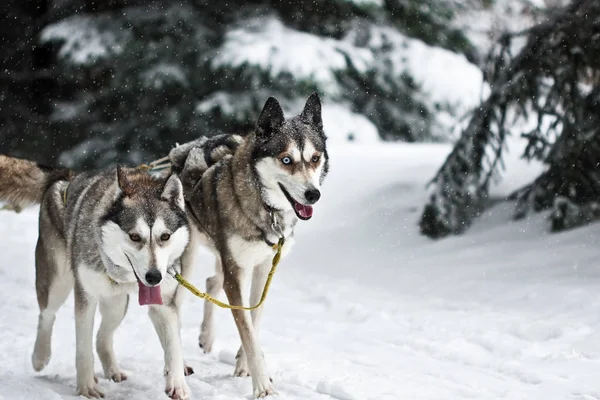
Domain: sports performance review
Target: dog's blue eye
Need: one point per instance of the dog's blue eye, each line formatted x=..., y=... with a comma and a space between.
x=286, y=160
x=315, y=159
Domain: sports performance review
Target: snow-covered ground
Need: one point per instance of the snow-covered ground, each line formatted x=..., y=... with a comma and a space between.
x=364, y=307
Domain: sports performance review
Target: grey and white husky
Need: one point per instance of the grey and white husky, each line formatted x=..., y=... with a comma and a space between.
x=107, y=234
x=243, y=194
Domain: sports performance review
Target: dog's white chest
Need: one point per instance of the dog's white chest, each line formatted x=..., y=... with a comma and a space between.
x=248, y=254
x=99, y=285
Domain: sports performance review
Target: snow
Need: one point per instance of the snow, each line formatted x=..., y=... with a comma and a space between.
x=83, y=40
x=164, y=74
x=364, y=307
x=446, y=78
x=343, y=125
x=365, y=3
x=449, y=83
x=230, y=104
x=268, y=44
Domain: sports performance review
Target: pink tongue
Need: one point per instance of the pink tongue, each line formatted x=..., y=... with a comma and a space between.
x=304, y=211
x=149, y=295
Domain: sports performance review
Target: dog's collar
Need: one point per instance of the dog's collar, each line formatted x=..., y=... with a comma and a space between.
x=269, y=208
x=276, y=226
x=113, y=281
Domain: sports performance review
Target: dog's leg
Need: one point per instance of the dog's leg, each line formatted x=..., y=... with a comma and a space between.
x=187, y=370
x=259, y=278
x=257, y=366
x=187, y=261
x=166, y=322
x=53, y=284
x=85, y=309
x=214, y=285
x=113, y=311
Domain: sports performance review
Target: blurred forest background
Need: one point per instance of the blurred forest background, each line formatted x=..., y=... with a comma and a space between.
x=87, y=83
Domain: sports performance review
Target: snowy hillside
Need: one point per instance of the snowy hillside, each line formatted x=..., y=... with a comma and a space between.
x=364, y=308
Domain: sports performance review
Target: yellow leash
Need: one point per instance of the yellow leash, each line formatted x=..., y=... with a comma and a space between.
x=186, y=284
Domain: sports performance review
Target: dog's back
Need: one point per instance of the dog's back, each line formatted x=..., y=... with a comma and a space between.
x=191, y=160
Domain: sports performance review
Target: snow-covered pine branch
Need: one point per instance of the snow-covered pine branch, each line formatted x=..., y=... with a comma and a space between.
x=555, y=78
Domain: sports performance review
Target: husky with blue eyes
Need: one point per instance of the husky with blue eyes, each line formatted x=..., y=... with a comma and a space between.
x=243, y=194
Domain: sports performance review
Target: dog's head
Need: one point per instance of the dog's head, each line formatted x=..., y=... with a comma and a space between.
x=146, y=230
x=291, y=156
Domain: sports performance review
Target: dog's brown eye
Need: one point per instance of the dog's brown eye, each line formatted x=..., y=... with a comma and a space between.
x=164, y=237
x=286, y=160
x=135, y=237
x=315, y=159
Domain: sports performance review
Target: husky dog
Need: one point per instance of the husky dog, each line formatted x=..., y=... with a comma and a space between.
x=106, y=234
x=242, y=195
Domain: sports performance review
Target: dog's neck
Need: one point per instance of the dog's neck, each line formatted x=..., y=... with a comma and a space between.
x=262, y=214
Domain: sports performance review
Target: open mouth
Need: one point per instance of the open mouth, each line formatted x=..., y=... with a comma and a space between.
x=147, y=295
x=304, y=212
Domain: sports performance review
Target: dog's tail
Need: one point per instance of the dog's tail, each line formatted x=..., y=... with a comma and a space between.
x=23, y=182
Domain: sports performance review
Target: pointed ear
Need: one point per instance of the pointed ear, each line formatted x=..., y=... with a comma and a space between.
x=270, y=119
x=312, y=110
x=123, y=182
x=173, y=191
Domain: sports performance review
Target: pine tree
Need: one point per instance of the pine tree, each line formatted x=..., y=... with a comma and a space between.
x=554, y=78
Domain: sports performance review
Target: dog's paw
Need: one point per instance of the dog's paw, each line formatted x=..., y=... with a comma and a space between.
x=263, y=386
x=42, y=352
x=241, y=366
x=177, y=388
x=39, y=361
x=89, y=391
x=241, y=372
x=187, y=370
x=206, y=340
x=117, y=376
x=113, y=373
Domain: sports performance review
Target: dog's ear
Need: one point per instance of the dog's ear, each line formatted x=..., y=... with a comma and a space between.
x=312, y=110
x=173, y=191
x=270, y=119
x=123, y=182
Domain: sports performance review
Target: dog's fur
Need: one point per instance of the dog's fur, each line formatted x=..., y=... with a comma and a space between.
x=234, y=188
x=108, y=235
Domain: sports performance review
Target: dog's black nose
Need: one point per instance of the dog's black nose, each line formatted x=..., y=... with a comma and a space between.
x=312, y=195
x=153, y=277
